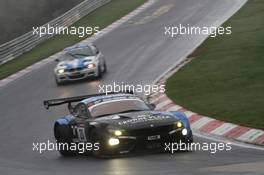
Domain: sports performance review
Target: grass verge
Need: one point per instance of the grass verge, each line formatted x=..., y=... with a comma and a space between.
x=226, y=79
x=101, y=17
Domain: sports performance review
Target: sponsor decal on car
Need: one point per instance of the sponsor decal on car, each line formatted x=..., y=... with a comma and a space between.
x=144, y=118
x=155, y=137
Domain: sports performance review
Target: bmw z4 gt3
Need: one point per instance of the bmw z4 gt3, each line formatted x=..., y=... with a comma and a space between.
x=120, y=123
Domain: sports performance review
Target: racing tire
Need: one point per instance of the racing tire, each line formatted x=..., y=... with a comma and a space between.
x=188, y=141
x=99, y=72
x=95, y=139
x=58, y=83
x=60, y=133
x=105, y=68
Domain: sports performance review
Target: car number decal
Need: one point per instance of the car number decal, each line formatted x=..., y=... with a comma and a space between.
x=80, y=133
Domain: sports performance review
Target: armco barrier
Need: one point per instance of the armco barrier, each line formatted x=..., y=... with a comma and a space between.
x=26, y=42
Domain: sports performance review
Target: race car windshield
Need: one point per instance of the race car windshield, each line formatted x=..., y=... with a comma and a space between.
x=118, y=106
x=79, y=53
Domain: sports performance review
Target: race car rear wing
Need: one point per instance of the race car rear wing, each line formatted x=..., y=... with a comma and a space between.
x=69, y=100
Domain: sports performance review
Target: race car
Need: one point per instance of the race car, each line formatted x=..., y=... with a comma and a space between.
x=79, y=62
x=117, y=124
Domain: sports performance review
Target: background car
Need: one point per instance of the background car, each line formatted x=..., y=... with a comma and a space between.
x=121, y=123
x=80, y=62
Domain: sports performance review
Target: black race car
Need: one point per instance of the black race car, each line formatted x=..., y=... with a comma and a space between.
x=117, y=123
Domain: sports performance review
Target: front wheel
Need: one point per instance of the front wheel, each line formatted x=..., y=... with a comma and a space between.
x=63, y=141
x=95, y=139
x=105, y=68
x=58, y=83
x=99, y=72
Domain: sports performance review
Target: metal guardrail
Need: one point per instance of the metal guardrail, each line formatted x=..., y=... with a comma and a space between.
x=14, y=48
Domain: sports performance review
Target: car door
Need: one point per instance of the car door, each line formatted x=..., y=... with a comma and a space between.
x=79, y=126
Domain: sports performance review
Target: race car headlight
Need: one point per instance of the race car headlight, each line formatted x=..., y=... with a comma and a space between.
x=90, y=66
x=179, y=124
x=118, y=133
x=113, y=141
x=61, y=71
x=184, y=132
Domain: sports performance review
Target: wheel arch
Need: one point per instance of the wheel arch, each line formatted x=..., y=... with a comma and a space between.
x=62, y=128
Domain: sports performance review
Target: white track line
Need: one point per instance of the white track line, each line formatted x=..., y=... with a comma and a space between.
x=189, y=114
x=157, y=98
x=250, y=136
x=224, y=128
x=174, y=108
x=163, y=103
x=201, y=122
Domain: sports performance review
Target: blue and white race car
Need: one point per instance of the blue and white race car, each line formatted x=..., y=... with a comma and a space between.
x=79, y=62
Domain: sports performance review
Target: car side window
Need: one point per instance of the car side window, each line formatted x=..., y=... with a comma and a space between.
x=96, y=50
x=81, y=111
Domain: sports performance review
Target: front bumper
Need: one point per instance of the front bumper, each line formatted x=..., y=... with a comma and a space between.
x=142, y=143
x=76, y=75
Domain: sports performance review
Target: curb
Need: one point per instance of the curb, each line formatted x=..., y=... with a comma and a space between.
x=202, y=123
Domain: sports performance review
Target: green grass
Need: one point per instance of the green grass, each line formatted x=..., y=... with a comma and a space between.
x=101, y=17
x=226, y=79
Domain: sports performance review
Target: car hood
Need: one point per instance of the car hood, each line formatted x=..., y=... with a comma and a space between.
x=76, y=63
x=138, y=120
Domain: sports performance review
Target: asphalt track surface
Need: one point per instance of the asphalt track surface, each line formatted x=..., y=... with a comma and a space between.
x=139, y=52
